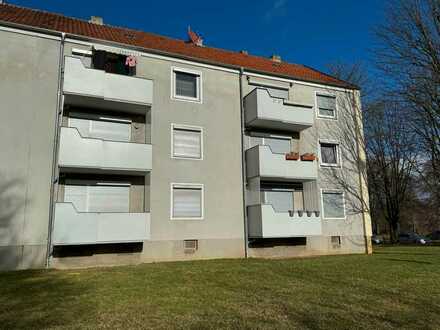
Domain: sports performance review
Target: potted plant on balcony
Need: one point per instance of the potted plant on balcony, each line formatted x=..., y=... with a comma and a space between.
x=308, y=157
x=292, y=156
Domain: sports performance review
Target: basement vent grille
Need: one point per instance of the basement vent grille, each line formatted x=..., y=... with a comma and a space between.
x=190, y=245
x=336, y=241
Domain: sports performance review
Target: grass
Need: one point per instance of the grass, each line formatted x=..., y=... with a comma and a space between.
x=397, y=287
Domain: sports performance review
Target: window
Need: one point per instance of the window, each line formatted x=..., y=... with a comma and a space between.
x=102, y=127
x=186, y=201
x=333, y=205
x=187, y=85
x=329, y=154
x=326, y=105
x=336, y=241
x=98, y=197
x=187, y=142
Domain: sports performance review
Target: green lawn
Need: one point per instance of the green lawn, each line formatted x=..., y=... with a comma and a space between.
x=397, y=287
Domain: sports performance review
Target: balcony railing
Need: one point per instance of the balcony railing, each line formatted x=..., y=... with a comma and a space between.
x=264, y=222
x=75, y=228
x=83, y=81
x=78, y=152
x=264, y=111
x=262, y=162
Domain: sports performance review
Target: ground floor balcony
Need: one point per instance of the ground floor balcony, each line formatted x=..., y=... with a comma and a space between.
x=265, y=222
x=76, y=228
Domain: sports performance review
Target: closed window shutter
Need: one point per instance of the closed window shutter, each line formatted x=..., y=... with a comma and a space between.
x=329, y=153
x=333, y=204
x=109, y=198
x=110, y=130
x=187, y=202
x=187, y=143
x=98, y=198
x=77, y=195
x=102, y=129
x=186, y=84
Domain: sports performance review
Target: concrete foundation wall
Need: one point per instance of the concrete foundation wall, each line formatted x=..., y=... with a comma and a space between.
x=28, y=94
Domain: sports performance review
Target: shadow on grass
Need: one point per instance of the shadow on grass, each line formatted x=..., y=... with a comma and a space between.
x=42, y=299
x=408, y=260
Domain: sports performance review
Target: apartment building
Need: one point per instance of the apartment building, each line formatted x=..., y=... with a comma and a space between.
x=120, y=146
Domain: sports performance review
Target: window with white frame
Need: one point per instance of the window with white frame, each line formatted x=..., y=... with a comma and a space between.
x=187, y=142
x=102, y=127
x=329, y=154
x=333, y=205
x=186, y=201
x=187, y=84
x=326, y=105
x=98, y=197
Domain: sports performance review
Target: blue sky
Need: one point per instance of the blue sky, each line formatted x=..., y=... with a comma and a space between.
x=313, y=33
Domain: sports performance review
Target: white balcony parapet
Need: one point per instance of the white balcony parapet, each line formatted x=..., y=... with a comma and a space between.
x=84, y=152
x=265, y=111
x=261, y=161
x=75, y=228
x=264, y=222
x=80, y=80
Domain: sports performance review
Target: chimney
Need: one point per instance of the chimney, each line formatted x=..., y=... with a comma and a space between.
x=95, y=20
x=245, y=52
x=276, y=58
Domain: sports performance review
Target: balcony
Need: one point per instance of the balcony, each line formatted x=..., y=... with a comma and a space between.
x=80, y=153
x=262, y=162
x=85, y=82
x=264, y=222
x=264, y=111
x=75, y=228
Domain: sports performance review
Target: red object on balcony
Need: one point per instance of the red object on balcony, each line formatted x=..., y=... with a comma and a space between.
x=292, y=156
x=308, y=157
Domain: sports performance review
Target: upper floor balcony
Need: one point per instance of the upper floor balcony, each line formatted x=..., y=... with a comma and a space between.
x=81, y=81
x=262, y=162
x=75, y=228
x=264, y=111
x=94, y=154
x=265, y=222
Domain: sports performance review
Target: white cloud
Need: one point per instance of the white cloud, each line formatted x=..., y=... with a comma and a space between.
x=275, y=10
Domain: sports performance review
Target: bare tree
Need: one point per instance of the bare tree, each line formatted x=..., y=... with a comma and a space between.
x=377, y=144
x=409, y=56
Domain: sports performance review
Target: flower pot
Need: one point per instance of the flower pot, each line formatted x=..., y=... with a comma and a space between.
x=292, y=156
x=308, y=157
x=317, y=213
x=300, y=213
x=309, y=213
x=291, y=213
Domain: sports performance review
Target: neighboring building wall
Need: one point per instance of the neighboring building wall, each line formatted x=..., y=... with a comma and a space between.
x=28, y=93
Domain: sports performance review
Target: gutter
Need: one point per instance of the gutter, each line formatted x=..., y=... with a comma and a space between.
x=243, y=163
x=55, y=173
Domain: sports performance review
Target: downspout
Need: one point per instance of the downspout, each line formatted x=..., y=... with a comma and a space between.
x=55, y=178
x=243, y=163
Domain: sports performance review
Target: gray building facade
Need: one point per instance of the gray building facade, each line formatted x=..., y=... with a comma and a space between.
x=117, y=154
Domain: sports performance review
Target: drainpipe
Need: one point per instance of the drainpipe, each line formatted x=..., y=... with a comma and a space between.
x=243, y=163
x=55, y=173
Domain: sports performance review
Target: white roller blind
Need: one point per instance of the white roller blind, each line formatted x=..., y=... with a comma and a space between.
x=98, y=198
x=187, y=202
x=329, y=153
x=187, y=143
x=102, y=129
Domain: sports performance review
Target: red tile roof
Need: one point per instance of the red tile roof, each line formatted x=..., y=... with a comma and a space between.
x=45, y=20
